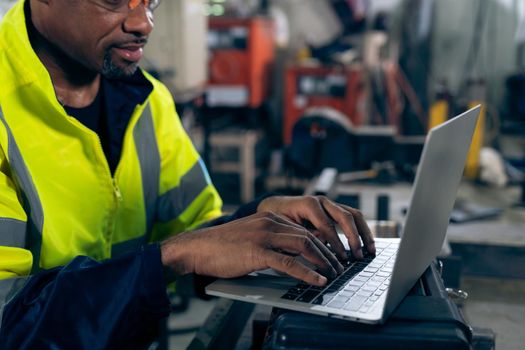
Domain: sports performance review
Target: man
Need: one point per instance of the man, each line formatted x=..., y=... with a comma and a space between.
x=95, y=166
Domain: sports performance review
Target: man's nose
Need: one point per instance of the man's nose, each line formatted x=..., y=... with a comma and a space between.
x=139, y=21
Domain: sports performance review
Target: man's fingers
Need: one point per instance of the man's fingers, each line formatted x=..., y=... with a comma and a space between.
x=364, y=230
x=317, y=216
x=284, y=221
x=346, y=220
x=308, y=248
x=330, y=256
x=289, y=264
x=283, y=225
x=277, y=224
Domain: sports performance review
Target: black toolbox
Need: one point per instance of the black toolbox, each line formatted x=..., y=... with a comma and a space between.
x=426, y=319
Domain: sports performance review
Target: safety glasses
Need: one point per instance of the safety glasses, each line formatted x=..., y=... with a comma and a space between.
x=124, y=6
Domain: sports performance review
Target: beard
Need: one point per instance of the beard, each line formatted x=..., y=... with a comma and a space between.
x=111, y=70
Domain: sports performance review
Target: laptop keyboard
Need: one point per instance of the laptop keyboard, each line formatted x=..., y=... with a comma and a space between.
x=357, y=288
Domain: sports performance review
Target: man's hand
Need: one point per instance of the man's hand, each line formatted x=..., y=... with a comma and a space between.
x=322, y=215
x=256, y=242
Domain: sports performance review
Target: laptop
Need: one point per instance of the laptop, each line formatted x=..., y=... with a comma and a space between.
x=369, y=290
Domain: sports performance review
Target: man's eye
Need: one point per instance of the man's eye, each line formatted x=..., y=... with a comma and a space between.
x=115, y=3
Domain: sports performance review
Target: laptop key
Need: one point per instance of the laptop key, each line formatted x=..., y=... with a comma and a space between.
x=296, y=290
x=336, y=304
x=366, y=274
x=373, y=283
x=316, y=288
x=308, y=296
x=349, y=274
x=333, y=288
x=368, y=288
x=341, y=298
x=360, y=279
x=364, y=293
x=351, y=288
x=368, y=303
x=347, y=293
x=355, y=303
x=370, y=269
x=355, y=283
x=329, y=294
x=364, y=308
x=322, y=300
x=339, y=283
x=290, y=296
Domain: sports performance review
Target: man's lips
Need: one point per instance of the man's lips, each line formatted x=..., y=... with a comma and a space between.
x=130, y=52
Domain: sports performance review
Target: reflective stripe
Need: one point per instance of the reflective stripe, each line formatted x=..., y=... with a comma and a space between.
x=128, y=246
x=174, y=202
x=12, y=232
x=32, y=204
x=149, y=158
x=8, y=289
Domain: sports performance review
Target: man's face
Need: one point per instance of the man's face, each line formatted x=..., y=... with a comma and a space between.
x=106, y=36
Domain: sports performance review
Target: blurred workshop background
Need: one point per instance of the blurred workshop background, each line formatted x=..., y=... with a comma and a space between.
x=280, y=94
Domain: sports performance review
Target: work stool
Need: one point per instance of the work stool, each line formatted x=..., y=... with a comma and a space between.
x=244, y=142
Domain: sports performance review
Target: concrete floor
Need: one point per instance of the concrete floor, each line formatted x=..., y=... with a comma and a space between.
x=498, y=304
x=193, y=317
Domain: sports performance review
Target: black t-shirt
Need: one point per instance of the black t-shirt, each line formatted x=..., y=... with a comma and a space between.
x=95, y=116
x=110, y=112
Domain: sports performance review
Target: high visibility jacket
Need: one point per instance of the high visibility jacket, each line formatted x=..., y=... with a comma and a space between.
x=58, y=198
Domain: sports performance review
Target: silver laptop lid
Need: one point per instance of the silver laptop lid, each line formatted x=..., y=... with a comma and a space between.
x=441, y=169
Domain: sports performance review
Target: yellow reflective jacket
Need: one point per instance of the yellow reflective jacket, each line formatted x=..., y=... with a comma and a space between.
x=58, y=198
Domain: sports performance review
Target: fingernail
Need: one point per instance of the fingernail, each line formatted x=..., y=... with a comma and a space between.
x=322, y=280
x=359, y=254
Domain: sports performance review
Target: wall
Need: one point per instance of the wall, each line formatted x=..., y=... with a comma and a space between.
x=455, y=27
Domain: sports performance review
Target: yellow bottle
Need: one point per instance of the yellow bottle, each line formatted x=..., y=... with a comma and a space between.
x=438, y=113
x=472, y=164
x=439, y=109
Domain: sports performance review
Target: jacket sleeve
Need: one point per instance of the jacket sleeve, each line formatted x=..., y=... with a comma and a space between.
x=187, y=198
x=114, y=304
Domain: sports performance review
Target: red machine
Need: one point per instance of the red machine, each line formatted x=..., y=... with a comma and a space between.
x=242, y=51
x=340, y=88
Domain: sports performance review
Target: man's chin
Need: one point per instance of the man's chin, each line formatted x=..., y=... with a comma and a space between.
x=112, y=70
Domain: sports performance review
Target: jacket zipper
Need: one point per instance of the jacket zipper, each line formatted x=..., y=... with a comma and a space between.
x=117, y=195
